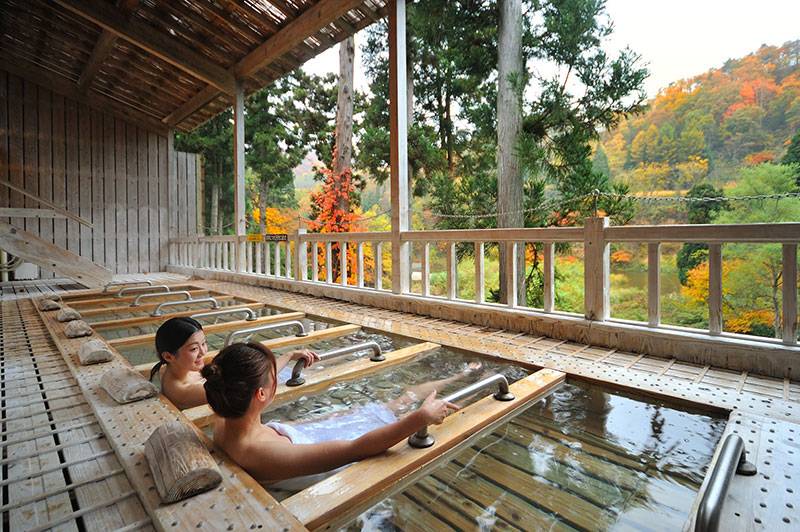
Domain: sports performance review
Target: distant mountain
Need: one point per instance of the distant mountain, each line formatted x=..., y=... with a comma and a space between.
x=706, y=127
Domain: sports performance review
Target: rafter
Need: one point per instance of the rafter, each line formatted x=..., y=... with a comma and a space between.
x=153, y=41
x=103, y=46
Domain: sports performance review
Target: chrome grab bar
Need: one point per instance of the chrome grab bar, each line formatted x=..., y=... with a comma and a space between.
x=147, y=289
x=422, y=439
x=125, y=283
x=252, y=330
x=159, y=312
x=732, y=460
x=250, y=314
x=377, y=356
x=185, y=293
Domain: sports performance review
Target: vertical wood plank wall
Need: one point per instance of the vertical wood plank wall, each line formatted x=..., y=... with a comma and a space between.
x=99, y=167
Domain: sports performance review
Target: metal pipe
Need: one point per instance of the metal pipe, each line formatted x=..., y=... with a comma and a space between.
x=159, y=312
x=268, y=327
x=145, y=289
x=422, y=439
x=185, y=293
x=250, y=314
x=732, y=460
x=377, y=356
x=125, y=283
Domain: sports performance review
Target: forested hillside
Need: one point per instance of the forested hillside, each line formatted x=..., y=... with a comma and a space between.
x=707, y=127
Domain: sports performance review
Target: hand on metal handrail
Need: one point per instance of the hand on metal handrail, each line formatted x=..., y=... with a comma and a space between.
x=423, y=439
x=268, y=327
x=732, y=459
x=185, y=293
x=125, y=283
x=160, y=288
x=250, y=314
x=159, y=312
x=377, y=356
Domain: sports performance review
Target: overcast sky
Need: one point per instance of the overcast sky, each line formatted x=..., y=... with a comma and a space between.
x=677, y=38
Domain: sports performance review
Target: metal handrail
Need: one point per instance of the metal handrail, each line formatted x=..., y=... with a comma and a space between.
x=147, y=289
x=159, y=312
x=252, y=330
x=250, y=313
x=187, y=296
x=125, y=283
x=377, y=356
x=422, y=439
x=732, y=460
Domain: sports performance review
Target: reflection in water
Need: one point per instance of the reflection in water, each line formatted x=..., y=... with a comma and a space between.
x=585, y=458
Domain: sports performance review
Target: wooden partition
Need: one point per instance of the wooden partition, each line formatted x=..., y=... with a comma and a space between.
x=129, y=182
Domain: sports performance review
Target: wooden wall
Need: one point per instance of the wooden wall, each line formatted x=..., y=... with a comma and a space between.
x=119, y=176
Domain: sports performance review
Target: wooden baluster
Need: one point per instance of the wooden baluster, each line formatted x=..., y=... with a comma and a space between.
x=378, y=252
x=360, y=264
x=343, y=262
x=452, y=271
x=277, y=262
x=654, y=284
x=426, y=269
x=328, y=262
x=287, y=260
x=225, y=255
x=511, y=273
x=480, y=282
x=596, y=280
x=314, y=261
x=258, y=248
x=715, y=289
x=248, y=257
x=301, y=256
x=549, y=273
x=790, y=294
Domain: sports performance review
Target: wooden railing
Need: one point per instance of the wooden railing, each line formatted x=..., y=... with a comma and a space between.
x=309, y=258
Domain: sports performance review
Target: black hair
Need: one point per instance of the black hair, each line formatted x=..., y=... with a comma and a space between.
x=171, y=335
x=234, y=375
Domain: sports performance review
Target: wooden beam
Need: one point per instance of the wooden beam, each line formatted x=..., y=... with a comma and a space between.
x=339, y=496
x=103, y=46
x=65, y=213
x=143, y=320
x=11, y=212
x=153, y=41
x=69, y=89
x=51, y=257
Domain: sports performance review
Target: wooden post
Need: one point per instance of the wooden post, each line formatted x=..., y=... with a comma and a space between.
x=549, y=274
x=398, y=128
x=452, y=271
x=267, y=259
x=201, y=186
x=328, y=263
x=277, y=266
x=654, y=284
x=715, y=289
x=426, y=269
x=378, y=252
x=596, y=280
x=479, y=280
x=790, y=294
x=288, y=260
x=314, y=261
x=360, y=264
x=238, y=171
x=343, y=262
x=301, y=256
x=510, y=277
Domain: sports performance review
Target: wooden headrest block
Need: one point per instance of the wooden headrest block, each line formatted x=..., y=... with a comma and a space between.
x=77, y=328
x=94, y=352
x=48, y=304
x=180, y=463
x=126, y=385
x=68, y=314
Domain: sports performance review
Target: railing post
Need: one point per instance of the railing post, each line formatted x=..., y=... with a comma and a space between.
x=511, y=273
x=343, y=262
x=328, y=262
x=480, y=296
x=426, y=269
x=654, y=284
x=549, y=274
x=300, y=256
x=277, y=266
x=288, y=260
x=360, y=264
x=315, y=261
x=790, y=294
x=452, y=271
x=715, y=289
x=596, y=279
x=240, y=226
x=378, y=252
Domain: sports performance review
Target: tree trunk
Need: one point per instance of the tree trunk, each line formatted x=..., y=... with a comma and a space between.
x=344, y=115
x=214, y=209
x=509, y=127
x=262, y=206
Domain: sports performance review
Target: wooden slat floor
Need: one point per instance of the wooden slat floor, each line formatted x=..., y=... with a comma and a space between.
x=12, y=290
x=58, y=470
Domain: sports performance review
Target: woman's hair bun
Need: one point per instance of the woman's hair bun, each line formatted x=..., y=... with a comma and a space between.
x=211, y=372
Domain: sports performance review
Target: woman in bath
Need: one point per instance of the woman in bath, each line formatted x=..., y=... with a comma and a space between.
x=240, y=384
x=181, y=346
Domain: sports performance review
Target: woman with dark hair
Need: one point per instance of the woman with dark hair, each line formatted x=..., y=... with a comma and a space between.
x=181, y=347
x=241, y=382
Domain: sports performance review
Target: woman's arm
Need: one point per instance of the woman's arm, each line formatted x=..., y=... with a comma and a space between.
x=185, y=396
x=301, y=354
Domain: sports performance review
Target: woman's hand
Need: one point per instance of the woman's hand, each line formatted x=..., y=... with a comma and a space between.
x=435, y=410
x=307, y=356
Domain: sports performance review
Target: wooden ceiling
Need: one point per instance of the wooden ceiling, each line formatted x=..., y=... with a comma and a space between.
x=170, y=63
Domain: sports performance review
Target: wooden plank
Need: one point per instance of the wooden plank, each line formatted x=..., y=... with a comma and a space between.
x=144, y=339
x=173, y=198
x=31, y=152
x=143, y=235
x=45, y=166
x=132, y=196
x=4, y=137
x=596, y=270
x=150, y=306
x=654, y=284
x=480, y=284
x=145, y=36
x=109, y=194
x=121, y=206
x=369, y=479
x=711, y=234
x=164, y=209
x=181, y=175
x=98, y=194
x=59, y=169
x=715, y=289
x=191, y=194
x=85, y=180
x=548, y=272
x=73, y=135
x=15, y=146
x=789, y=290
x=324, y=378
x=51, y=257
x=142, y=320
